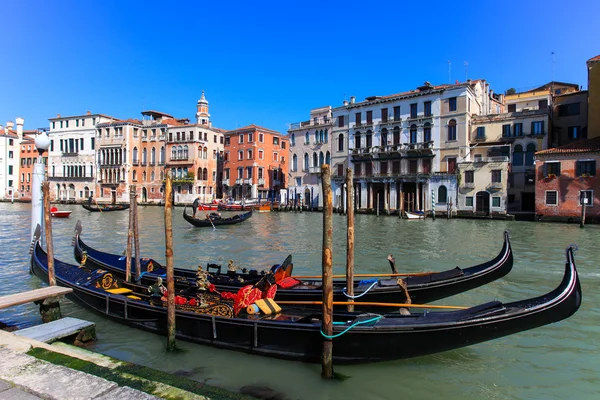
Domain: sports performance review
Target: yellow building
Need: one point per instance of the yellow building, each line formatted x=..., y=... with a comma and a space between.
x=593, y=65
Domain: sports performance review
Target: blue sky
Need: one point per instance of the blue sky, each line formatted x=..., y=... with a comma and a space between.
x=268, y=63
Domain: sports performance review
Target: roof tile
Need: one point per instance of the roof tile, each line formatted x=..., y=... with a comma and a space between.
x=581, y=146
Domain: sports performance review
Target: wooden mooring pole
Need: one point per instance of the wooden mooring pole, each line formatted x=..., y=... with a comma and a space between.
x=327, y=321
x=171, y=345
x=583, y=207
x=49, y=243
x=350, y=238
x=136, y=236
x=129, y=235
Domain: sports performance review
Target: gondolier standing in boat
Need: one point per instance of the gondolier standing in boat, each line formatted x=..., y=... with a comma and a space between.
x=195, y=206
x=90, y=200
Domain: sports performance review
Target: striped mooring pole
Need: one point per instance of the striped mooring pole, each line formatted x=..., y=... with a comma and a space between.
x=433, y=204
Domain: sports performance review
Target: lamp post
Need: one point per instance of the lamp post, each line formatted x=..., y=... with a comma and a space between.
x=343, y=205
x=42, y=142
x=584, y=202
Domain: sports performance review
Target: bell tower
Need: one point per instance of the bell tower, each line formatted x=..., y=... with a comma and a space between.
x=202, y=116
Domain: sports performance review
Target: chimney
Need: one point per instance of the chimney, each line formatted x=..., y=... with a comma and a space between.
x=9, y=125
x=352, y=99
x=57, y=115
x=88, y=113
x=20, y=122
x=345, y=102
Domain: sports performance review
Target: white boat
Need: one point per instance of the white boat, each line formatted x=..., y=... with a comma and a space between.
x=414, y=214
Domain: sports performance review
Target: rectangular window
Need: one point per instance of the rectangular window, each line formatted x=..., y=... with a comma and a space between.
x=566, y=110
x=427, y=108
x=93, y=144
x=249, y=155
x=552, y=168
x=340, y=121
x=52, y=145
x=10, y=169
x=227, y=141
x=551, y=198
x=543, y=104
x=275, y=157
x=298, y=181
x=369, y=168
x=261, y=155
x=357, y=169
x=519, y=129
x=496, y=176
x=369, y=117
x=451, y=165
x=214, y=141
x=283, y=144
x=240, y=173
x=469, y=105
x=469, y=201
x=250, y=137
x=66, y=124
x=384, y=115
x=241, y=139
x=241, y=155
x=53, y=125
x=383, y=167
x=586, y=197
x=413, y=110
x=76, y=123
x=10, y=154
x=276, y=141
x=537, y=128
x=574, y=132
x=340, y=170
x=452, y=104
x=495, y=201
x=357, y=141
x=426, y=165
x=585, y=168
x=481, y=132
x=397, y=113
x=469, y=177
x=80, y=143
x=412, y=166
x=506, y=130
x=357, y=119
x=395, y=167
x=512, y=108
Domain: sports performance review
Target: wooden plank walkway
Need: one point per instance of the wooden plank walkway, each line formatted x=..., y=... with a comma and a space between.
x=51, y=331
x=32, y=295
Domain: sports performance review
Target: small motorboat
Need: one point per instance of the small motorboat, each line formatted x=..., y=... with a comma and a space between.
x=415, y=214
x=56, y=213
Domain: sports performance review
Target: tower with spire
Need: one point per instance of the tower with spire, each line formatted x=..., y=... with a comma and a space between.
x=202, y=115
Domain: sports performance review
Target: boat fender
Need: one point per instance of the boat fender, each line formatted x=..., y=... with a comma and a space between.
x=252, y=309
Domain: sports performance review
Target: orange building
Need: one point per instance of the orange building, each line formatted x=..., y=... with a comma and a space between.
x=28, y=157
x=255, y=163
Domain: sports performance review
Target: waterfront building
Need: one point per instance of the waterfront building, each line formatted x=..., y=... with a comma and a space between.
x=72, y=156
x=28, y=156
x=311, y=147
x=567, y=180
x=593, y=66
x=194, y=154
x=255, y=163
x=9, y=158
x=405, y=147
x=569, y=118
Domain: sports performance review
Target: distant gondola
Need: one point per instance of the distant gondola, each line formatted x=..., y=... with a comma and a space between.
x=422, y=289
x=216, y=221
x=296, y=333
x=105, y=207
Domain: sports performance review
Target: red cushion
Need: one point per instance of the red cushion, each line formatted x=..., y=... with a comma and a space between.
x=288, y=282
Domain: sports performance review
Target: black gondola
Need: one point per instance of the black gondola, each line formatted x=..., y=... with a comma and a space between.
x=105, y=207
x=296, y=333
x=218, y=221
x=422, y=289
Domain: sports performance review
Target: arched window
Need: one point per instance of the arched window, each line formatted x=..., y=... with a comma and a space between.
x=293, y=139
x=294, y=163
x=452, y=130
x=144, y=176
x=396, y=135
x=185, y=152
x=205, y=153
x=199, y=173
x=180, y=152
x=321, y=158
x=340, y=142
x=328, y=158
x=321, y=136
x=326, y=136
x=205, y=174
x=529, y=154
x=306, y=138
x=305, y=161
x=316, y=136
x=134, y=175
x=162, y=175
x=153, y=156
x=179, y=173
x=152, y=176
x=357, y=140
x=174, y=153
x=174, y=173
x=369, y=139
x=315, y=160
x=162, y=155
x=413, y=133
x=384, y=137
x=135, y=155
x=518, y=155
x=442, y=194
x=184, y=172
x=144, y=155
x=427, y=132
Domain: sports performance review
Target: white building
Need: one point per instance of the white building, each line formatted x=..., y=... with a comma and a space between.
x=71, y=158
x=9, y=158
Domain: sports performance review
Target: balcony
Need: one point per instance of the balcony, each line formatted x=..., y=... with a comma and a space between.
x=144, y=163
x=495, y=186
x=135, y=163
x=239, y=181
x=261, y=182
x=314, y=170
x=144, y=138
x=70, y=178
x=276, y=182
x=248, y=181
x=390, y=121
x=480, y=138
x=498, y=159
x=469, y=185
x=69, y=154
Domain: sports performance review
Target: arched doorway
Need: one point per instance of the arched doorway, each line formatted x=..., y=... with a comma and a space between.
x=482, y=204
x=144, y=195
x=307, y=198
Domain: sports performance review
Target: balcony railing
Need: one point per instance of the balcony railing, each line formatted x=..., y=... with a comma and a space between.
x=248, y=181
x=69, y=154
x=71, y=178
x=261, y=181
x=469, y=185
x=239, y=181
x=314, y=170
x=135, y=163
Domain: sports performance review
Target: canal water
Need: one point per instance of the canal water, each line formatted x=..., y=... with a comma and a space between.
x=553, y=362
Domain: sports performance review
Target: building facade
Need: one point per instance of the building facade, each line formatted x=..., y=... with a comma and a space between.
x=255, y=163
x=570, y=118
x=72, y=156
x=9, y=159
x=310, y=147
x=28, y=156
x=593, y=67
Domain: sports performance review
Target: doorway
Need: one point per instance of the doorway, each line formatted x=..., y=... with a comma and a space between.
x=482, y=205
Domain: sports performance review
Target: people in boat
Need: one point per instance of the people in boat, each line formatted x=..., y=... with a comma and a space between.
x=157, y=290
x=90, y=200
x=214, y=215
x=195, y=205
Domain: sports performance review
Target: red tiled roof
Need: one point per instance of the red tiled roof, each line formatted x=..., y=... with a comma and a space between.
x=581, y=146
x=597, y=58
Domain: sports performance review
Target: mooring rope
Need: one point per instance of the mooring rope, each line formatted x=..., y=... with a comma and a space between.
x=367, y=321
x=359, y=295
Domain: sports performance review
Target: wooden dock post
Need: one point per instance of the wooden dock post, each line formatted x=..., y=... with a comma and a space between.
x=327, y=321
x=136, y=236
x=129, y=235
x=350, y=238
x=583, y=207
x=50, y=307
x=171, y=345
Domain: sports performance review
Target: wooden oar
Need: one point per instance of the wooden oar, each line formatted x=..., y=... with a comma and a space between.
x=98, y=205
x=371, y=303
x=364, y=275
x=208, y=216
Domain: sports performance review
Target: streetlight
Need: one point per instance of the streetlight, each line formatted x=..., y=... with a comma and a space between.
x=42, y=142
x=344, y=201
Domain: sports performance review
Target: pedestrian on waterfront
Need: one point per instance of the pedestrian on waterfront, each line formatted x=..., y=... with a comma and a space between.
x=195, y=205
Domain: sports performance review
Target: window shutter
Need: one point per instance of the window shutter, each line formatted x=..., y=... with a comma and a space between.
x=558, y=170
x=532, y=127
x=542, y=131
x=545, y=170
